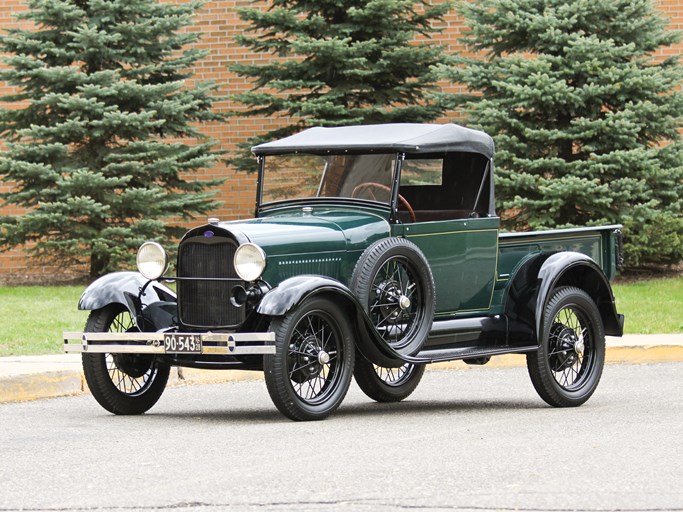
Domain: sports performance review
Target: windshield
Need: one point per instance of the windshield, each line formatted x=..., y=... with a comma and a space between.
x=299, y=176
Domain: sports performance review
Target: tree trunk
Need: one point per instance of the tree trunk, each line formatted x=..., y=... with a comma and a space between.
x=98, y=265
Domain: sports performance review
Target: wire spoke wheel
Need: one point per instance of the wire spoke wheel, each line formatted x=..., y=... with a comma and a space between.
x=393, y=282
x=571, y=352
x=395, y=300
x=394, y=376
x=122, y=383
x=387, y=384
x=131, y=374
x=313, y=362
x=568, y=365
x=310, y=373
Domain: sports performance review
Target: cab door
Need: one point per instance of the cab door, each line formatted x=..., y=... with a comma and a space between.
x=448, y=198
x=462, y=255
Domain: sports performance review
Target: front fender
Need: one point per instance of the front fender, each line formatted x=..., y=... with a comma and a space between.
x=291, y=292
x=153, y=305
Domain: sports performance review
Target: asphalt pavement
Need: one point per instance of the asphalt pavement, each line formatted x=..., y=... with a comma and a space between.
x=474, y=440
x=25, y=378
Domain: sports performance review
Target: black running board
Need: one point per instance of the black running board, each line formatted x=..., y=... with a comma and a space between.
x=452, y=354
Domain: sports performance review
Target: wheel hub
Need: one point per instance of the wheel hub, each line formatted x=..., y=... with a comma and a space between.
x=568, y=348
x=308, y=358
x=394, y=303
x=323, y=357
x=132, y=364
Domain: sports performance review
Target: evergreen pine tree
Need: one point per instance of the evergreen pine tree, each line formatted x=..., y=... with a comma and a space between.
x=99, y=85
x=339, y=63
x=585, y=117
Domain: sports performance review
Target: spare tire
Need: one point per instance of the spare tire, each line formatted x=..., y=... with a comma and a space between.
x=394, y=283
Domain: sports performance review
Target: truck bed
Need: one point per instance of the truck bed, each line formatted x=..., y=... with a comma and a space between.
x=601, y=243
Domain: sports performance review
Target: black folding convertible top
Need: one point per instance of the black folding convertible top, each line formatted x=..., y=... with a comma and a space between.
x=383, y=138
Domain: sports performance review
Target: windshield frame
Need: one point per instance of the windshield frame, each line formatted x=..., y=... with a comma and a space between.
x=389, y=207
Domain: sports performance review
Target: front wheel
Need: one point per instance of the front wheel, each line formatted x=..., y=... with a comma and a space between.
x=567, y=367
x=387, y=384
x=122, y=383
x=309, y=374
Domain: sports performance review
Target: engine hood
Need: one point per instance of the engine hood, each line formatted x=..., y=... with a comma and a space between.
x=316, y=241
x=306, y=232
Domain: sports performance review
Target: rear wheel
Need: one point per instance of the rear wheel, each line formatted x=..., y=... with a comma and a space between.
x=384, y=384
x=567, y=367
x=122, y=383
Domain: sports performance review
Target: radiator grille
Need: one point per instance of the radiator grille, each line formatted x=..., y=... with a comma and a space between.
x=206, y=303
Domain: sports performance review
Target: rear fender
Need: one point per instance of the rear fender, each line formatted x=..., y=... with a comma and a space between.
x=153, y=309
x=534, y=281
x=576, y=269
x=292, y=292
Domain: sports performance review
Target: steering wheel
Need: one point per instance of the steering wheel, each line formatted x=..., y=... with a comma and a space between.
x=369, y=185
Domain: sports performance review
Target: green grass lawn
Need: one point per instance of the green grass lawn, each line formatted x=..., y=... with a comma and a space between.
x=32, y=318
x=653, y=306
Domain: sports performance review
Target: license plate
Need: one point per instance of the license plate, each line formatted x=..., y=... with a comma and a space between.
x=182, y=343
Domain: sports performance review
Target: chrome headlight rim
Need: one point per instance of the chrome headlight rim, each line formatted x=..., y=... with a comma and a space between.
x=152, y=260
x=249, y=262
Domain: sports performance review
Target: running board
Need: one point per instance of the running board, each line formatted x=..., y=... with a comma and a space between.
x=452, y=354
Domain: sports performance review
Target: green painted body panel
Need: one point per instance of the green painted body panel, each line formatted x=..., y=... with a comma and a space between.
x=512, y=251
x=598, y=243
x=471, y=262
x=462, y=255
x=320, y=240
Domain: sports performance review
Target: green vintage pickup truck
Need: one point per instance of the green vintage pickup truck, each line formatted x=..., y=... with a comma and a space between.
x=374, y=251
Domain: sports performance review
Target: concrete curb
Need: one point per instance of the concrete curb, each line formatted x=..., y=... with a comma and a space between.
x=51, y=383
x=36, y=377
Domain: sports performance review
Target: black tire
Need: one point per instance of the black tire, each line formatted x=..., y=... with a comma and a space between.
x=122, y=383
x=567, y=367
x=393, y=282
x=387, y=384
x=311, y=371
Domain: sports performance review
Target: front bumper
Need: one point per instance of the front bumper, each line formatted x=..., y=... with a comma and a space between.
x=233, y=344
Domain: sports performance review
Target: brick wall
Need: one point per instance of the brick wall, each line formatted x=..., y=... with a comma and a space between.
x=219, y=24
